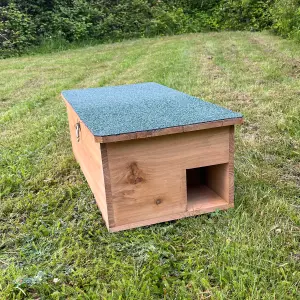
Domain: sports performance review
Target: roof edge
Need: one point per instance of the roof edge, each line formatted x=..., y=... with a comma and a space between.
x=167, y=131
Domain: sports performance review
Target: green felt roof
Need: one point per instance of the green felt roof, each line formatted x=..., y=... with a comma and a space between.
x=140, y=107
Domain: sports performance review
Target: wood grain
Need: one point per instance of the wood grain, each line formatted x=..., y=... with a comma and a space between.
x=231, y=164
x=148, y=176
x=88, y=155
x=217, y=179
x=201, y=197
x=107, y=184
x=171, y=217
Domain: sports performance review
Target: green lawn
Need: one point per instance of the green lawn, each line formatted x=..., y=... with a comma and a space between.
x=53, y=241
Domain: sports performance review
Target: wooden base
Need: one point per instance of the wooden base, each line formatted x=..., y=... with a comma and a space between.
x=201, y=198
x=221, y=205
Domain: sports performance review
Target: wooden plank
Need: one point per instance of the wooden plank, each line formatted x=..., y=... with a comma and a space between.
x=201, y=197
x=167, y=131
x=217, y=179
x=107, y=183
x=231, y=165
x=148, y=175
x=88, y=155
x=170, y=217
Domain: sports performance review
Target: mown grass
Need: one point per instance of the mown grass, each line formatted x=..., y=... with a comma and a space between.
x=54, y=244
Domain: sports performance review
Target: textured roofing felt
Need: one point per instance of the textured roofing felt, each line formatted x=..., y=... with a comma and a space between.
x=140, y=107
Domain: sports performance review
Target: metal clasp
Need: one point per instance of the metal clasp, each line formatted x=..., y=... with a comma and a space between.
x=77, y=128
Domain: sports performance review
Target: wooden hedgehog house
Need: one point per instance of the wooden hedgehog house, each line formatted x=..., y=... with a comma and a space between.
x=152, y=154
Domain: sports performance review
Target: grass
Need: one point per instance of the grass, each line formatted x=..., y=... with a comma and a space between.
x=53, y=242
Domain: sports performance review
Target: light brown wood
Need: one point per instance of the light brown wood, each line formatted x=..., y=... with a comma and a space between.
x=217, y=179
x=87, y=153
x=171, y=217
x=148, y=176
x=167, y=131
x=107, y=183
x=231, y=164
x=201, y=197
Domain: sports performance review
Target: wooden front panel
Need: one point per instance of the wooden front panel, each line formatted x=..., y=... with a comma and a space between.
x=148, y=176
x=87, y=153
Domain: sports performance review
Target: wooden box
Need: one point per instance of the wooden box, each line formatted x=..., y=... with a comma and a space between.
x=152, y=154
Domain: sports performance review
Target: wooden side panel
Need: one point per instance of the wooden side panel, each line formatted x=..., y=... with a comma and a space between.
x=231, y=164
x=148, y=176
x=217, y=179
x=87, y=153
x=107, y=183
x=220, y=178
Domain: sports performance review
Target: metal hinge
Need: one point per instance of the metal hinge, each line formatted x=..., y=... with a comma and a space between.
x=77, y=128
